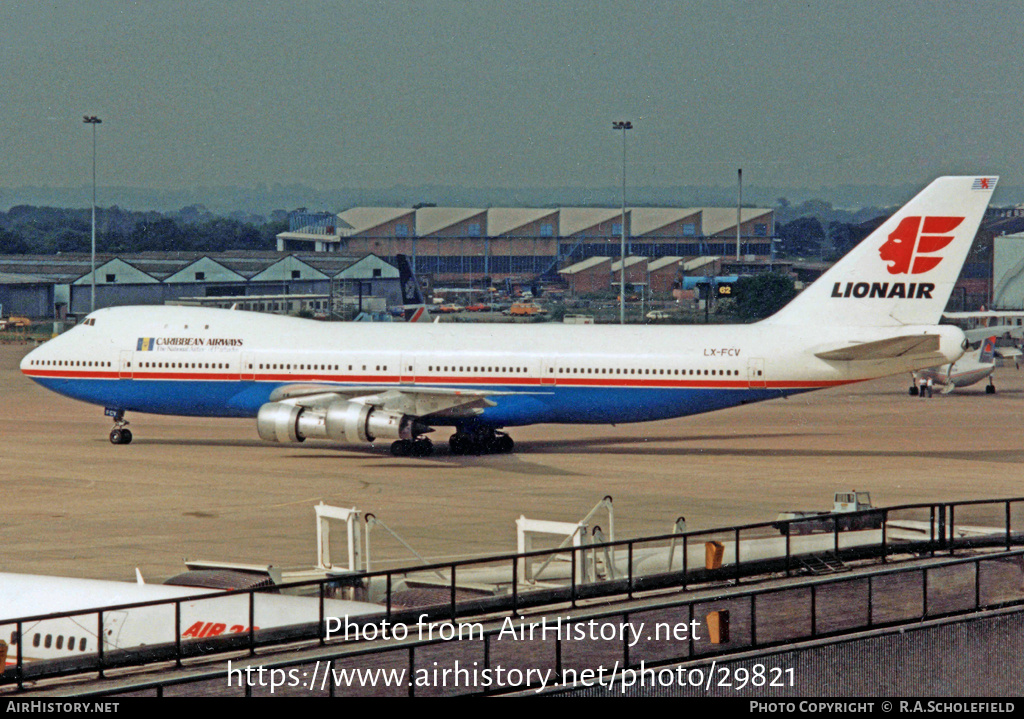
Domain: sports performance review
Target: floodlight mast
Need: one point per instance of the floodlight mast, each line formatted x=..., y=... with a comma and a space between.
x=623, y=125
x=94, y=121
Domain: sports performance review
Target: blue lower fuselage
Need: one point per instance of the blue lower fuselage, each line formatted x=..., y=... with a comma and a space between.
x=522, y=406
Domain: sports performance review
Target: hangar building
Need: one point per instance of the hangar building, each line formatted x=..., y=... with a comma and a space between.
x=44, y=287
x=458, y=244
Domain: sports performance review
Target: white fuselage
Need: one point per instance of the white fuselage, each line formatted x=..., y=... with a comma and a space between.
x=207, y=362
x=208, y=613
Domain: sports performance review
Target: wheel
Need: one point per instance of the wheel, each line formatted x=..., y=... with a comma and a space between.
x=913, y=390
x=422, y=447
x=126, y=436
x=401, y=448
x=990, y=389
x=500, y=444
x=459, y=443
x=115, y=436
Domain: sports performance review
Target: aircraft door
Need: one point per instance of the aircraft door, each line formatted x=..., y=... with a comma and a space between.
x=407, y=369
x=113, y=623
x=247, y=368
x=755, y=373
x=124, y=367
x=548, y=372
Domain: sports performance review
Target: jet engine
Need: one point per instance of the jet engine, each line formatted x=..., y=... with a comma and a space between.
x=342, y=421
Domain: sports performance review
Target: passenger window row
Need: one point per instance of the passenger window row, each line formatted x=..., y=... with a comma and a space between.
x=464, y=368
x=318, y=367
x=47, y=641
x=69, y=363
x=648, y=371
x=183, y=365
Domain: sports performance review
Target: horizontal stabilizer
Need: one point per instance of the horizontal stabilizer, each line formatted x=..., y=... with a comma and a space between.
x=985, y=315
x=906, y=346
x=983, y=333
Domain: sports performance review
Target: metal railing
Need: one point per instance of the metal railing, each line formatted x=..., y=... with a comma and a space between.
x=622, y=568
x=607, y=641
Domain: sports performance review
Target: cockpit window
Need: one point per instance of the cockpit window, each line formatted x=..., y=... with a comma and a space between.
x=91, y=321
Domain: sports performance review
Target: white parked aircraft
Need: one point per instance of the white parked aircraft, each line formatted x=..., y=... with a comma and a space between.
x=873, y=314
x=971, y=368
x=1001, y=323
x=209, y=614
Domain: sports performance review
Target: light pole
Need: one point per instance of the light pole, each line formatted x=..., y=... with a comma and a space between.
x=623, y=125
x=94, y=121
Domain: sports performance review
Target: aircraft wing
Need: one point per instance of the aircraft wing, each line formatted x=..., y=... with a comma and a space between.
x=983, y=333
x=422, y=402
x=907, y=346
x=985, y=314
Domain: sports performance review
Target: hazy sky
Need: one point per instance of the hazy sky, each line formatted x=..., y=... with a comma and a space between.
x=339, y=94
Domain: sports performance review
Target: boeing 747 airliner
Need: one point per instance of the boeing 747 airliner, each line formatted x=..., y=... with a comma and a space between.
x=166, y=616
x=875, y=313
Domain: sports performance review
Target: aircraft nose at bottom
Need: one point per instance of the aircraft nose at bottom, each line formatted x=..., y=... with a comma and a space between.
x=28, y=360
x=36, y=360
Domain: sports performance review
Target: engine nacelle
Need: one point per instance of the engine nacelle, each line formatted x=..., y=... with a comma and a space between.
x=279, y=422
x=342, y=421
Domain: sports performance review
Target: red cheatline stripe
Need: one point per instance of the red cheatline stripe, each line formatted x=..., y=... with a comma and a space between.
x=446, y=381
x=70, y=375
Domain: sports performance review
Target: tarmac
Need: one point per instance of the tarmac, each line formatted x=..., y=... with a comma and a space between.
x=75, y=505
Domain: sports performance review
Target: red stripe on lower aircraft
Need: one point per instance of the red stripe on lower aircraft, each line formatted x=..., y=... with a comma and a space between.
x=448, y=381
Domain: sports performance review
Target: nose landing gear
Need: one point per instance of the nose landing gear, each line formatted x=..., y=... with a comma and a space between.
x=120, y=434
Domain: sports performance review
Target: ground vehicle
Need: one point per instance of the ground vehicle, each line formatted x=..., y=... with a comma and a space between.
x=525, y=309
x=14, y=321
x=658, y=315
x=846, y=513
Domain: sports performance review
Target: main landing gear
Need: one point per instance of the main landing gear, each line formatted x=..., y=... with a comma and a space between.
x=419, y=447
x=120, y=434
x=479, y=440
x=482, y=440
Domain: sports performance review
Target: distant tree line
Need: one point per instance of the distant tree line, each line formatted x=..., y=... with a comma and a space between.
x=815, y=230
x=811, y=230
x=49, y=230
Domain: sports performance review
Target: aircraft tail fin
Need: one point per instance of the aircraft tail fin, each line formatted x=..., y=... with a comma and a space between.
x=903, y=272
x=988, y=351
x=414, y=306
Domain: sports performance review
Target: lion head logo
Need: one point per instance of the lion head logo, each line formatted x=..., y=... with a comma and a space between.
x=910, y=246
